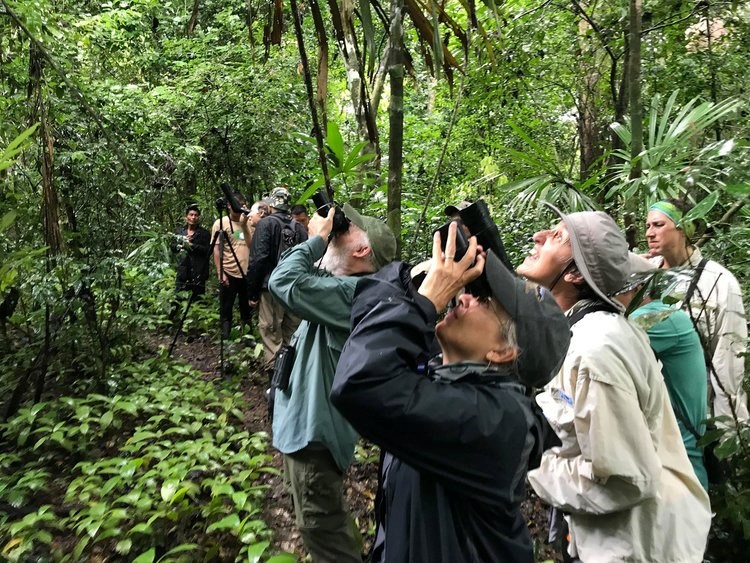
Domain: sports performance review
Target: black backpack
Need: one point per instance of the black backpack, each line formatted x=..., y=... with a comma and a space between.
x=289, y=237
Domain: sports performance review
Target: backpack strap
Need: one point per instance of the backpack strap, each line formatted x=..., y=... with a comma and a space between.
x=694, y=282
x=682, y=418
x=586, y=309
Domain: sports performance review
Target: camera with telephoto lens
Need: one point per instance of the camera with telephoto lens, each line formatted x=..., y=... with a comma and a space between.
x=476, y=218
x=323, y=203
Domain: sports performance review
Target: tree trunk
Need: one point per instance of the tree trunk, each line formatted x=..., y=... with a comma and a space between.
x=636, y=116
x=249, y=19
x=589, y=131
x=320, y=32
x=396, y=122
x=311, y=96
x=357, y=84
x=193, y=21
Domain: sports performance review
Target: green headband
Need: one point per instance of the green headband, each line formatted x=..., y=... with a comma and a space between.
x=674, y=215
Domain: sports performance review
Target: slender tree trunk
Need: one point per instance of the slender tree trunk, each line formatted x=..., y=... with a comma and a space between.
x=50, y=201
x=589, y=131
x=353, y=60
x=193, y=21
x=712, y=67
x=636, y=117
x=249, y=19
x=311, y=96
x=320, y=32
x=396, y=121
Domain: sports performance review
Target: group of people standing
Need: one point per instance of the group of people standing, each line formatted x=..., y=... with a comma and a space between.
x=610, y=441
x=245, y=246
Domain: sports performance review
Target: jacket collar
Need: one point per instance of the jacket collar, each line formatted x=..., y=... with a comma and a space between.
x=476, y=371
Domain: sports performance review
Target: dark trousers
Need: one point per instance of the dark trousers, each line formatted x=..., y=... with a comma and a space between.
x=227, y=293
x=196, y=285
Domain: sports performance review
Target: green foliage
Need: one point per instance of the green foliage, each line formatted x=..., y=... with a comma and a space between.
x=344, y=166
x=163, y=467
x=16, y=147
x=673, y=157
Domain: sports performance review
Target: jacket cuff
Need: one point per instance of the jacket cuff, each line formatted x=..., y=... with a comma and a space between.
x=317, y=246
x=427, y=307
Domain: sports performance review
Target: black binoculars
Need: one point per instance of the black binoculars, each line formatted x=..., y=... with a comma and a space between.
x=476, y=218
x=323, y=203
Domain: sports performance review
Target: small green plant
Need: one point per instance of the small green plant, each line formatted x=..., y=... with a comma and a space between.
x=163, y=470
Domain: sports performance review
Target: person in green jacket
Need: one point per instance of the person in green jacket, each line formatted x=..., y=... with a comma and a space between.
x=678, y=347
x=316, y=281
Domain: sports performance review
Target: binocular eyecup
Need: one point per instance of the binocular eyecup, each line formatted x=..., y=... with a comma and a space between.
x=477, y=220
x=323, y=203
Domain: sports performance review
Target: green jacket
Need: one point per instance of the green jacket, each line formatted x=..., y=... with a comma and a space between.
x=303, y=414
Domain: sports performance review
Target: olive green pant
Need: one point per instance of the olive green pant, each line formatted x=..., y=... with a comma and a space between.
x=276, y=326
x=327, y=529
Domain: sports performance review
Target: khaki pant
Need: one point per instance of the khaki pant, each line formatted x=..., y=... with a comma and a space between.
x=327, y=529
x=276, y=326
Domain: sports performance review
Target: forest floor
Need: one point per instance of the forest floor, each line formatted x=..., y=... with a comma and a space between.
x=361, y=480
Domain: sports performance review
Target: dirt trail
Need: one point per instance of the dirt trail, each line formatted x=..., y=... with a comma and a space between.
x=361, y=481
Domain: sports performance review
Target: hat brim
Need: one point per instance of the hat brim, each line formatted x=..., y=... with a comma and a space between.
x=354, y=216
x=580, y=259
x=542, y=331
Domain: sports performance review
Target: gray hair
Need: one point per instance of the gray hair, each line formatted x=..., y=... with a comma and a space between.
x=508, y=331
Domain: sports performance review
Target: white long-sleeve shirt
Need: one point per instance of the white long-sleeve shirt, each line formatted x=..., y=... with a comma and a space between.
x=622, y=472
x=717, y=305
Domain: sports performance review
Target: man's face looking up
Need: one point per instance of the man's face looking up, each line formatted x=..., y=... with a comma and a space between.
x=551, y=254
x=255, y=214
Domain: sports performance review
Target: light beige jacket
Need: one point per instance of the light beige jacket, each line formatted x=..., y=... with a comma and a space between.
x=717, y=306
x=622, y=472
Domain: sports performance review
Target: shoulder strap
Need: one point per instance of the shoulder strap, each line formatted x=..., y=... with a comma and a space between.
x=583, y=311
x=682, y=418
x=694, y=282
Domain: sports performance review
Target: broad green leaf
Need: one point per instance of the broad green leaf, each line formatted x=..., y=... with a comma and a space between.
x=255, y=551
x=7, y=219
x=182, y=548
x=106, y=419
x=335, y=143
x=146, y=556
x=282, y=558
x=702, y=208
x=239, y=499
x=123, y=546
x=727, y=448
x=738, y=189
x=168, y=489
x=229, y=522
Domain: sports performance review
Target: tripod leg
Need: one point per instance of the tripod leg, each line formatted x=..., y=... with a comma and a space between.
x=179, y=327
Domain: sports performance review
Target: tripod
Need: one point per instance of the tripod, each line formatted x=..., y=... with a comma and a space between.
x=221, y=237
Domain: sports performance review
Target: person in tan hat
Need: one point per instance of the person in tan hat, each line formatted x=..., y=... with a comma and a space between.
x=711, y=297
x=622, y=474
x=316, y=281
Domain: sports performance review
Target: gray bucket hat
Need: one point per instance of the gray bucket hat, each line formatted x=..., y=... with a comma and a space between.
x=542, y=330
x=600, y=252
